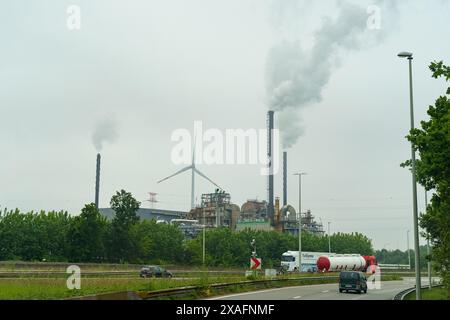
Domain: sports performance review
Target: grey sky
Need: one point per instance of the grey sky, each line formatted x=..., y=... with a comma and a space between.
x=156, y=66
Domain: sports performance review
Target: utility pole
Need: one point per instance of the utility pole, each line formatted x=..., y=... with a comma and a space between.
x=204, y=237
x=300, y=219
x=329, y=238
x=428, y=244
x=409, y=251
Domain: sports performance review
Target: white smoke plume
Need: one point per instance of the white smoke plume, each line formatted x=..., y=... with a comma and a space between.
x=105, y=131
x=297, y=74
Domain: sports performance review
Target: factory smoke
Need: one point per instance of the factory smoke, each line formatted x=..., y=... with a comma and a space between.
x=296, y=73
x=105, y=131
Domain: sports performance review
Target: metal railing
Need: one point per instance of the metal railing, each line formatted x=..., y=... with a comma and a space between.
x=177, y=292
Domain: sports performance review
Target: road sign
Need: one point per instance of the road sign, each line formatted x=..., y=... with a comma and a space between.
x=255, y=263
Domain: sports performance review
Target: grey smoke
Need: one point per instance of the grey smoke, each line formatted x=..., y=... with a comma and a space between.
x=297, y=76
x=105, y=131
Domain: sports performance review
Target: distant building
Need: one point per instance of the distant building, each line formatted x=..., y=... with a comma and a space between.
x=216, y=211
x=149, y=214
x=255, y=225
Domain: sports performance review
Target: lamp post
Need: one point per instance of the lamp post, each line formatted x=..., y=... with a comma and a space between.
x=428, y=244
x=204, y=238
x=409, y=251
x=409, y=56
x=329, y=238
x=300, y=174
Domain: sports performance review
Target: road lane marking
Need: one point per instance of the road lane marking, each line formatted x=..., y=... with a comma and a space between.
x=247, y=293
x=325, y=291
x=270, y=290
x=297, y=297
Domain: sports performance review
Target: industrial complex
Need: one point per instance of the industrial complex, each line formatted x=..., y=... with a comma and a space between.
x=217, y=210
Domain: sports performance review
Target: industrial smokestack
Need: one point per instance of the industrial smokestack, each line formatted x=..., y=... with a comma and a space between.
x=270, y=127
x=97, y=180
x=285, y=178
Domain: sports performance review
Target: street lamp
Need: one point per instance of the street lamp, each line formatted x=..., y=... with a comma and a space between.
x=204, y=238
x=409, y=251
x=329, y=238
x=428, y=243
x=300, y=174
x=409, y=56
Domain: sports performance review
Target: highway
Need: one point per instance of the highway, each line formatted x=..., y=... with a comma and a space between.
x=324, y=292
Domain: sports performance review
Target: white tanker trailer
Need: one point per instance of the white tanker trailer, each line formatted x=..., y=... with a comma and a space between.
x=341, y=262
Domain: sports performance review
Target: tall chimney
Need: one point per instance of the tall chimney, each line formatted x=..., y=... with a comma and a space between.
x=270, y=127
x=285, y=178
x=97, y=180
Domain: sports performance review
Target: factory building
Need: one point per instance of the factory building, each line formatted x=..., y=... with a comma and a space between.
x=149, y=214
x=254, y=216
x=216, y=211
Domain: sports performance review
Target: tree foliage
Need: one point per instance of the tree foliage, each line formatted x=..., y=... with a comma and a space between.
x=124, y=241
x=401, y=257
x=225, y=248
x=89, y=237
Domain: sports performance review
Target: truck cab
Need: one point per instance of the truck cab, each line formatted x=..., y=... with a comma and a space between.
x=289, y=261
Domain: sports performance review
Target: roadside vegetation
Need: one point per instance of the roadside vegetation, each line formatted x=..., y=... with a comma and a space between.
x=55, y=288
x=401, y=257
x=90, y=238
x=433, y=294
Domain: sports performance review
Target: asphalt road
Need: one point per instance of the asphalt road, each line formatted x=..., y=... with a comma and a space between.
x=325, y=292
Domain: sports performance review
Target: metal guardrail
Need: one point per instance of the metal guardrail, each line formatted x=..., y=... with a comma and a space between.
x=57, y=273
x=402, y=295
x=176, y=292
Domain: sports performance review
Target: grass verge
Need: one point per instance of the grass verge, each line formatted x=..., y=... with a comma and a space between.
x=433, y=294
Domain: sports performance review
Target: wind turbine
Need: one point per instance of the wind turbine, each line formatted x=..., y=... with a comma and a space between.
x=194, y=170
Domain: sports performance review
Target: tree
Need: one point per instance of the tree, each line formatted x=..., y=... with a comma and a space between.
x=401, y=257
x=125, y=207
x=225, y=248
x=432, y=141
x=34, y=236
x=123, y=241
x=87, y=235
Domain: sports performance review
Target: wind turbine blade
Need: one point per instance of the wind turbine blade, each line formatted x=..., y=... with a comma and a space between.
x=176, y=173
x=196, y=170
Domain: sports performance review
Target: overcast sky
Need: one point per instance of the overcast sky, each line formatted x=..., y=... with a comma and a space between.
x=152, y=67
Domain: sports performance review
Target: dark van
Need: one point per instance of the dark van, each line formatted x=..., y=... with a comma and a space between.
x=352, y=281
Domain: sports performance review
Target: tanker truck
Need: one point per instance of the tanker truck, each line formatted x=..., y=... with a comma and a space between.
x=346, y=262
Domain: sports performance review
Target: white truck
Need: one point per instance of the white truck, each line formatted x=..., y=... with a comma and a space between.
x=290, y=262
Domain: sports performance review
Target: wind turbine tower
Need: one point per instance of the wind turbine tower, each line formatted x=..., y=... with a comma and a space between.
x=194, y=171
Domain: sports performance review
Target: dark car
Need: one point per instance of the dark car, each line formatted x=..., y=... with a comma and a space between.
x=352, y=281
x=155, y=271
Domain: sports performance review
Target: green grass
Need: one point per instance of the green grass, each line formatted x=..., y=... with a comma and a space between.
x=55, y=288
x=46, y=286
x=433, y=294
